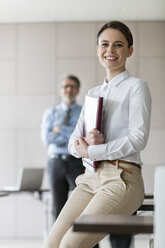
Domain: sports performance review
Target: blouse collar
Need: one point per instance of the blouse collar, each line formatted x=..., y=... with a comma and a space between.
x=117, y=79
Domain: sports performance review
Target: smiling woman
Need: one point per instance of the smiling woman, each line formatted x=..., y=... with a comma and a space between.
x=111, y=189
x=114, y=46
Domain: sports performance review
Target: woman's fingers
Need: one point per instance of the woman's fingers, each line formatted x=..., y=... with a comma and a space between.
x=94, y=130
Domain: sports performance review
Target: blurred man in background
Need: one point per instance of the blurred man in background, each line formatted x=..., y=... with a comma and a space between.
x=57, y=125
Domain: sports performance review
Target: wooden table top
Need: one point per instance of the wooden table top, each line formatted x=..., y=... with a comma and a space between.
x=116, y=224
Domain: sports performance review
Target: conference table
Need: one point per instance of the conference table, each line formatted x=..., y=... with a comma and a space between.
x=114, y=224
x=119, y=224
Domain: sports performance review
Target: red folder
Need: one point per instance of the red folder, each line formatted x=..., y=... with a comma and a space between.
x=92, y=119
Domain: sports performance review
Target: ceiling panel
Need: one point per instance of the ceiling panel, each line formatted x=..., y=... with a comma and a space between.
x=15, y=11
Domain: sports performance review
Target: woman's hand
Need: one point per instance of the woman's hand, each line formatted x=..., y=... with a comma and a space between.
x=94, y=137
x=81, y=147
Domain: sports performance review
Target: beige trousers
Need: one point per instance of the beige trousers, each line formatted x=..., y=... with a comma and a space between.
x=109, y=190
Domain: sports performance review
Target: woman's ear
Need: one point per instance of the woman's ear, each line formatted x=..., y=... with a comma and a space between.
x=97, y=48
x=130, y=51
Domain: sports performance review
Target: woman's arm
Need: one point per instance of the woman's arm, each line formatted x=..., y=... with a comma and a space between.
x=138, y=129
x=78, y=145
x=77, y=133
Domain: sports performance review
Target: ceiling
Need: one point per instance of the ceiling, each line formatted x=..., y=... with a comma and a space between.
x=15, y=11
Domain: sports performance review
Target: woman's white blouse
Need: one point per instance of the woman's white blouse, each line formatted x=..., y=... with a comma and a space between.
x=126, y=120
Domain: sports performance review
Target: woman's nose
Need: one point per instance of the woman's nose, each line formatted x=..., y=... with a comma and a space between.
x=110, y=49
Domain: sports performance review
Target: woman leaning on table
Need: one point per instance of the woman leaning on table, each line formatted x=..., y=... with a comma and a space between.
x=117, y=185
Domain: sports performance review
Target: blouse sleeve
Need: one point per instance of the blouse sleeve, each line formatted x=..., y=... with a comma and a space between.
x=78, y=132
x=138, y=128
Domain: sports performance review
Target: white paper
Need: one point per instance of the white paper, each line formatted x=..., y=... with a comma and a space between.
x=90, y=115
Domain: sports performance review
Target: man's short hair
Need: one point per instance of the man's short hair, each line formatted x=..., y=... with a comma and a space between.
x=71, y=77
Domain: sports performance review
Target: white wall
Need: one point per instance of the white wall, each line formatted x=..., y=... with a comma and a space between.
x=32, y=57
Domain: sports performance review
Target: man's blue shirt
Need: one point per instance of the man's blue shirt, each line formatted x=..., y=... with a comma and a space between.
x=58, y=142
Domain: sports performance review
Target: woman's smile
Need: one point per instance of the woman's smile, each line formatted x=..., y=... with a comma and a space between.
x=111, y=58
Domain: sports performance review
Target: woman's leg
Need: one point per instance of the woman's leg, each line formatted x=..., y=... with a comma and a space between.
x=114, y=194
x=108, y=191
x=73, y=208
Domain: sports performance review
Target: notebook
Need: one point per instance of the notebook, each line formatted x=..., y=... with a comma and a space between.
x=93, y=119
x=29, y=179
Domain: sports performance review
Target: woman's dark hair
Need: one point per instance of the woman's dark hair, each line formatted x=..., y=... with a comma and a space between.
x=119, y=26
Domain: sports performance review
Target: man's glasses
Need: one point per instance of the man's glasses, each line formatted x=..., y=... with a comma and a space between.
x=69, y=86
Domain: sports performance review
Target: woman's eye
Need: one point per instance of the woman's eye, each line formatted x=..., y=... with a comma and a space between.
x=104, y=44
x=117, y=45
